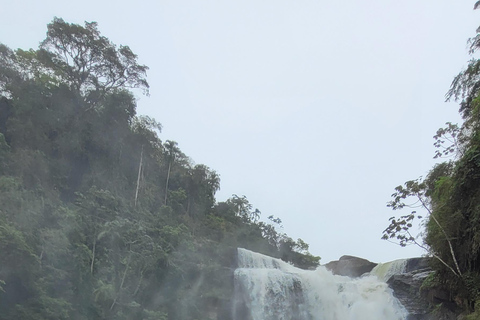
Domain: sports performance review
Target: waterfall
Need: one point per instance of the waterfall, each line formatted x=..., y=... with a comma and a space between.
x=384, y=271
x=271, y=289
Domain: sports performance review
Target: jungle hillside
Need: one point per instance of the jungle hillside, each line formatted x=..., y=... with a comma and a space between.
x=99, y=217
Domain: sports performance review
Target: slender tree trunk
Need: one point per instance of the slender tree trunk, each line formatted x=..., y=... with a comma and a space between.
x=138, y=284
x=452, y=253
x=166, y=184
x=93, y=253
x=121, y=284
x=41, y=256
x=449, y=245
x=458, y=274
x=188, y=205
x=138, y=177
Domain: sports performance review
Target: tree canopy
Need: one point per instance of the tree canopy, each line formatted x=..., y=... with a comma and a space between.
x=100, y=218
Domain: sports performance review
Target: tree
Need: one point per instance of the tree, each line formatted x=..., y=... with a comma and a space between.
x=172, y=151
x=9, y=73
x=454, y=138
x=244, y=209
x=450, y=194
x=399, y=228
x=96, y=209
x=78, y=57
x=88, y=62
x=73, y=155
x=202, y=184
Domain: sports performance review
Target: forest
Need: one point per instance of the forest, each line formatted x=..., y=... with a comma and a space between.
x=448, y=197
x=99, y=217
x=102, y=219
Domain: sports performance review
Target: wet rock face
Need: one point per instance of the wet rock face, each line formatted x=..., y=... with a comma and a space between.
x=407, y=289
x=350, y=266
x=417, y=264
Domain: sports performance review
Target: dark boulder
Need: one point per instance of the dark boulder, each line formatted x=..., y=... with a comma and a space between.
x=350, y=266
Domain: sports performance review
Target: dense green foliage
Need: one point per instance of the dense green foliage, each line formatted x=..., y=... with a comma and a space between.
x=450, y=194
x=99, y=218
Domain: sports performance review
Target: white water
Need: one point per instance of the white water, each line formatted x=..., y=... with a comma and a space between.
x=384, y=271
x=270, y=289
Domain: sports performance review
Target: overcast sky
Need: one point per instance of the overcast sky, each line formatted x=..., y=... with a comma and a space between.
x=314, y=110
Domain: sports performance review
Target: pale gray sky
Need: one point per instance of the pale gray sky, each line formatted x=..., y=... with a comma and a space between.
x=315, y=110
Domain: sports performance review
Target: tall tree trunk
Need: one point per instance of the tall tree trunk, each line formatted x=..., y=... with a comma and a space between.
x=452, y=253
x=139, y=283
x=188, y=204
x=166, y=184
x=123, y=281
x=93, y=253
x=138, y=178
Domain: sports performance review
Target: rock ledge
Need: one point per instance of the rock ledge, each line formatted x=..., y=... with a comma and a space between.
x=350, y=266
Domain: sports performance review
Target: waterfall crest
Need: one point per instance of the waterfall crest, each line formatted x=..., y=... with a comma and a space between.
x=271, y=289
x=384, y=271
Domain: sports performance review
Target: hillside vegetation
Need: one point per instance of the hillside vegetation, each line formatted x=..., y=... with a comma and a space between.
x=100, y=218
x=450, y=197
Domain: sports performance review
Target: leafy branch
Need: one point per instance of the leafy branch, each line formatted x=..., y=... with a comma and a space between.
x=399, y=228
x=448, y=141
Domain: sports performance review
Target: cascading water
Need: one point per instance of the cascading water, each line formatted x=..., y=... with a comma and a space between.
x=271, y=289
x=384, y=271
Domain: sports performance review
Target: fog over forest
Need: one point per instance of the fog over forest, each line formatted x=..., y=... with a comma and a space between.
x=139, y=149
